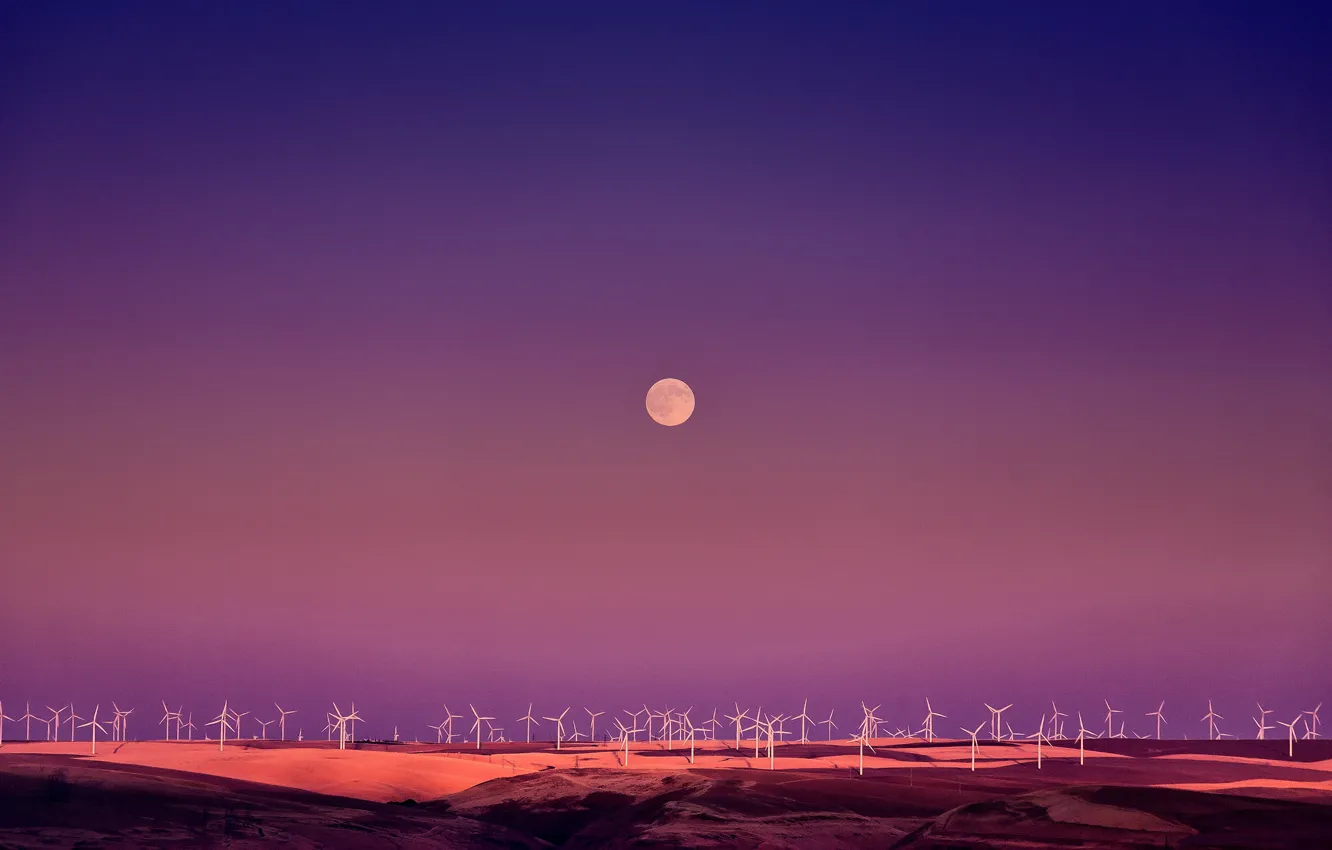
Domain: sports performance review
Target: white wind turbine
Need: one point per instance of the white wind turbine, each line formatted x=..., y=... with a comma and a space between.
x=713, y=725
x=1056, y=728
x=449, y=717
x=263, y=727
x=223, y=723
x=235, y=715
x=862, y=736
x=439, y=732
x=625, y=733
x=996, y=721
x=929, y=720
x=1082, y=738
x=95, y=727
x=635, y=730
x=1160, y=718
x=804, y=718
x=689, y=727
x=592, y=715
x=559, y=727
x=54, y=723
x=1261, y=722
x=72, y=717
x=975, y=746
x=282, y=721
x=167, y=716
x=1110, y=719
x=575, y=735
x=1311, y=723
x=1211, y=717
x=3, y=718
x=738, y=718
x=526, y=718
x=189, y=724
x=27, y=719
x=476, y=725
x=1040, y=734
x=1291, y=727
x=829, y=723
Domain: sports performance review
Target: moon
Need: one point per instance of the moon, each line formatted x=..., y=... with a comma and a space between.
x=670, y=401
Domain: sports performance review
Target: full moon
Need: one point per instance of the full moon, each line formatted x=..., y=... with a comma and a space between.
x=670, y=401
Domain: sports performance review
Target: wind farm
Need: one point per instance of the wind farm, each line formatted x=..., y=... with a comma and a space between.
x=774, y=425
x=1033, y=765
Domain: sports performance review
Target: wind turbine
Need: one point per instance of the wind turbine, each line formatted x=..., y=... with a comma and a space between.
x=476, y=725
x=829, y=723
x=54, y=723
x=1160, y=718
x=1311, y=724
x=1261, y=721
x=235, y=715
x=996, y=721
x=167, y=716
x=222, y=722
x=526, y=718
x=27, y=719
x=439, y=732
x=737, y=718
x=1291, y=727
x=95, y=727
x=626, y=732
x=1055, y=726
x=189, y=724
x=929, y=720
x=861, y=737
x=72, y=718
x=263, y=727
x=449, y=717
x=592, y=715
x=1082, y=738
x=1211, y=717
x=1110, y=719
x=559, y=727
x=804, y=718
x=712, y=725
x=575, y=734
x=282, y=721
x=3, y=718
x=1040, y=733
x=974, y=745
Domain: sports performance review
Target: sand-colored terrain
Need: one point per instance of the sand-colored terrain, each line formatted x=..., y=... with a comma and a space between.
x=911, y=794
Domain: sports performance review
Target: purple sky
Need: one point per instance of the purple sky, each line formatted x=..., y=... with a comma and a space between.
x=326, y=333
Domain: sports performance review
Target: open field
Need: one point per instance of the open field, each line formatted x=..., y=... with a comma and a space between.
x=1167, y=793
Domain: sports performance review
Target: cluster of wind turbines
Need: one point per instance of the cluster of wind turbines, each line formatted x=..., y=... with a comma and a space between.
x=668, y=725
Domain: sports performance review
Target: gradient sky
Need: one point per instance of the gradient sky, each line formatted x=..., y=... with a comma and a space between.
x=326, y=329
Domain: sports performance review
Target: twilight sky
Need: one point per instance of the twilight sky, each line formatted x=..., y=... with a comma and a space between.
x=326, y=330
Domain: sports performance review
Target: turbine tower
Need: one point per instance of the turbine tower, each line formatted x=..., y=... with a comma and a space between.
x=804, y=718
x=559, y=727
x=997, y=720
x=1211, y=717
x=282, y=721
x=526, y=718
x=1110, y=719
x=476, y=725
x=1160, y=718
x=930, y=714
x=1291, y=728
x=592, y=715
x=223, y=723
x=974, y=745
x=1261, y=722
x=95, y=727
x=829, y=723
